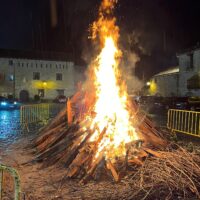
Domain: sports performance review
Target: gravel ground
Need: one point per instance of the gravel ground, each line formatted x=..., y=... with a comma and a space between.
x=40, y=183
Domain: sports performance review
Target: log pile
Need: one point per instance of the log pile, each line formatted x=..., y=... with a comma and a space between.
x=67, y=142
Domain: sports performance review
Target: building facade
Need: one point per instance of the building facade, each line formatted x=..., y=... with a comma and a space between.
x=189, y=81
x=165, y=83
x=183, y=80
x=22, y=77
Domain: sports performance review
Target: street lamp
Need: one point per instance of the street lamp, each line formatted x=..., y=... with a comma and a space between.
x=44, y=84
x=148, y=83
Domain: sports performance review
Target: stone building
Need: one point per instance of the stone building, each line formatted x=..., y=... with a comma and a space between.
x=183, y=80
x=189, y=76
x=165, y=83
x=26, y=76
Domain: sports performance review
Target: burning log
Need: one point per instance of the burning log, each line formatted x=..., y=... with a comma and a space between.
x=113, y=170
x=70, y=145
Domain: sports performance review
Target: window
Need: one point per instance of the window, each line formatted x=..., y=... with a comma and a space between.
x=22, y=64
x=10, y=62
x=2, y=77
x=191, y=60
x=194, y=82
x=41, y=65
x=41, y=92
x=60, y=91
x=11, y=77
x=46, y=65
x=18, y=64
x=59, y=77
x=27, y=65
x=36, y=65
x=36, y=76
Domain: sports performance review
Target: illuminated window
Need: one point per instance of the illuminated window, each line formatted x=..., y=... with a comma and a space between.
x=41, y=92
x=36, y=76
x=11, y=77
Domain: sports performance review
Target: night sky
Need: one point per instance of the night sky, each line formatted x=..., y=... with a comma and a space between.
x=160, y=28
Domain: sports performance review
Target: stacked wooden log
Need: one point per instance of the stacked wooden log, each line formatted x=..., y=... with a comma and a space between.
x=69, y=144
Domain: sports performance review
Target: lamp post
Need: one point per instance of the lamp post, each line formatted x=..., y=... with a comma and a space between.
x=14, y=79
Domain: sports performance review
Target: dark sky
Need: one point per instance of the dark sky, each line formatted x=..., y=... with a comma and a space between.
x=159, y=28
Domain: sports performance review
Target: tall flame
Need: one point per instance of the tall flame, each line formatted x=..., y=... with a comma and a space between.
x=111, y=97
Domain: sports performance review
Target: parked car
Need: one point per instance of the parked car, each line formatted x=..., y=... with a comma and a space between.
x=6, y=104
x=194, y=103
x=182, y=103
x=60, y=99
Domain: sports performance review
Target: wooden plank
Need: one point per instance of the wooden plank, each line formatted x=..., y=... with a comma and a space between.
x=152, y=152
x=111, y=167
x=136, y=161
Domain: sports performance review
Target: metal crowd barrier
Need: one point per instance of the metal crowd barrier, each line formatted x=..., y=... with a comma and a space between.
x=183, y=121
x=16, y=178
x=34, y=113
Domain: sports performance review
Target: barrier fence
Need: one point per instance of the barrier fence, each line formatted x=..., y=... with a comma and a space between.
x=183, y=121
x=11, y=171
x=38, y=114
x=34, y=113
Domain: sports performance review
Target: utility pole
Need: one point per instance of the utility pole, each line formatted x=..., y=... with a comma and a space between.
x=14, y=73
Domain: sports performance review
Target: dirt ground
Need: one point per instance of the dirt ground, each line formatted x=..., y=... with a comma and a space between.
x=38, y=183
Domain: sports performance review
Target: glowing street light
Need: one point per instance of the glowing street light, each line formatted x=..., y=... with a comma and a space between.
x=44, y=83
x=148, y=83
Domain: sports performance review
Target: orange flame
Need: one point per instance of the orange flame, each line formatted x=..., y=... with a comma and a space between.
x=111, y=105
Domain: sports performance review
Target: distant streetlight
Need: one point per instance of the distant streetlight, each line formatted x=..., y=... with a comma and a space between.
x=148, y=83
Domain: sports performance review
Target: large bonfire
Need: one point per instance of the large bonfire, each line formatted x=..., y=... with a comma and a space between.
x=101, y=131
x=103, y=125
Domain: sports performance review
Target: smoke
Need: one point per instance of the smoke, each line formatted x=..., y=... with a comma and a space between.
x=128, y=64
x=131, y=49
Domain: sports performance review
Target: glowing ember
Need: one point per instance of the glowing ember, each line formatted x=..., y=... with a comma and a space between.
x=111, y=96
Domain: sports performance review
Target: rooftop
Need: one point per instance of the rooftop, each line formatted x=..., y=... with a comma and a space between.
x=33, y=54
x=172, y=70
x=189, y=50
